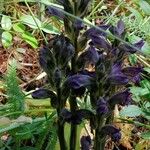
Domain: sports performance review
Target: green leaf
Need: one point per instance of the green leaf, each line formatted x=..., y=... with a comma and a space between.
x=19, y=27
x=146, y=135
x=136, y=13
x=145, y=83
x=6, y=23
x=139, y=91
x=145, y=7
x=30, y=39
x=147, y=69
x=6, y=39
x=132, y=59
x=146, y=48
x=28, y=148
x=130, y=111
x=50, y=29
x=28, y=20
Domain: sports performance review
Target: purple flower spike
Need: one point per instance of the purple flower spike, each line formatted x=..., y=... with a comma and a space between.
x=116, y=68
x=116, y=76
x=85, y=142
x=111, y=131
x=42, y=94
x=139, y=44
x=102, y=107
x=71, y=118
x=118, y=79
x=66, y=115
x=89, y=57
x=75, y=117
x=133, y=73
x=120, y=27
x=92, y=31
x=46, y=60
x=122, y=98
x=63, y=50
x=116, y=137
x=130, y=49
x=119, y=30
x=101, y=42
x=89, y=73
x=136, y=79
x=77, y=81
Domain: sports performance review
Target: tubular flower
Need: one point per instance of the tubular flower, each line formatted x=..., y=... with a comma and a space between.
x=77, y=81
x=46, y=60
x=45, y=93
x=56, y=11
x=122, y=98
x=62, y=49
x=132, y=50
x=116, y=76
x=75, y=117
x=92, y=31
x=102, y=107
x=85, y=142
x=112, y=131
x=119, y=29
x=42, y=94
x=78, y=25
x=101, y=42
x=89, y=57
x=133, y=73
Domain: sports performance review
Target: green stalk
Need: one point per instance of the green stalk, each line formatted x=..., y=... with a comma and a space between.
x=36, y=22
x=42, y=11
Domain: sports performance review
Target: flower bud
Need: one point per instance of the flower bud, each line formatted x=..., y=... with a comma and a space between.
x=63, y=50
x=102, y=107
x=89, y=57
x=116, y=76
x=46, y=60
x=85, y=142
x=122, y=98
x=112, y=131
x=57, y=77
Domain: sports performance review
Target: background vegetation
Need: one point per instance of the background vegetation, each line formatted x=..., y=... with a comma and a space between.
x=26, y=123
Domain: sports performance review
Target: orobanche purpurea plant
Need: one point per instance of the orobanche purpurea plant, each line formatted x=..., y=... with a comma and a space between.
x=82, y=63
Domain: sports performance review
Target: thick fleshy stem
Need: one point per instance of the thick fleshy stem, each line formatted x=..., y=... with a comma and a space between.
x=60, y=126
x=73, y=130
x=111, y=116
x=99, y=142
x=73, y=106
x=60, y=132
x=73, y=103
